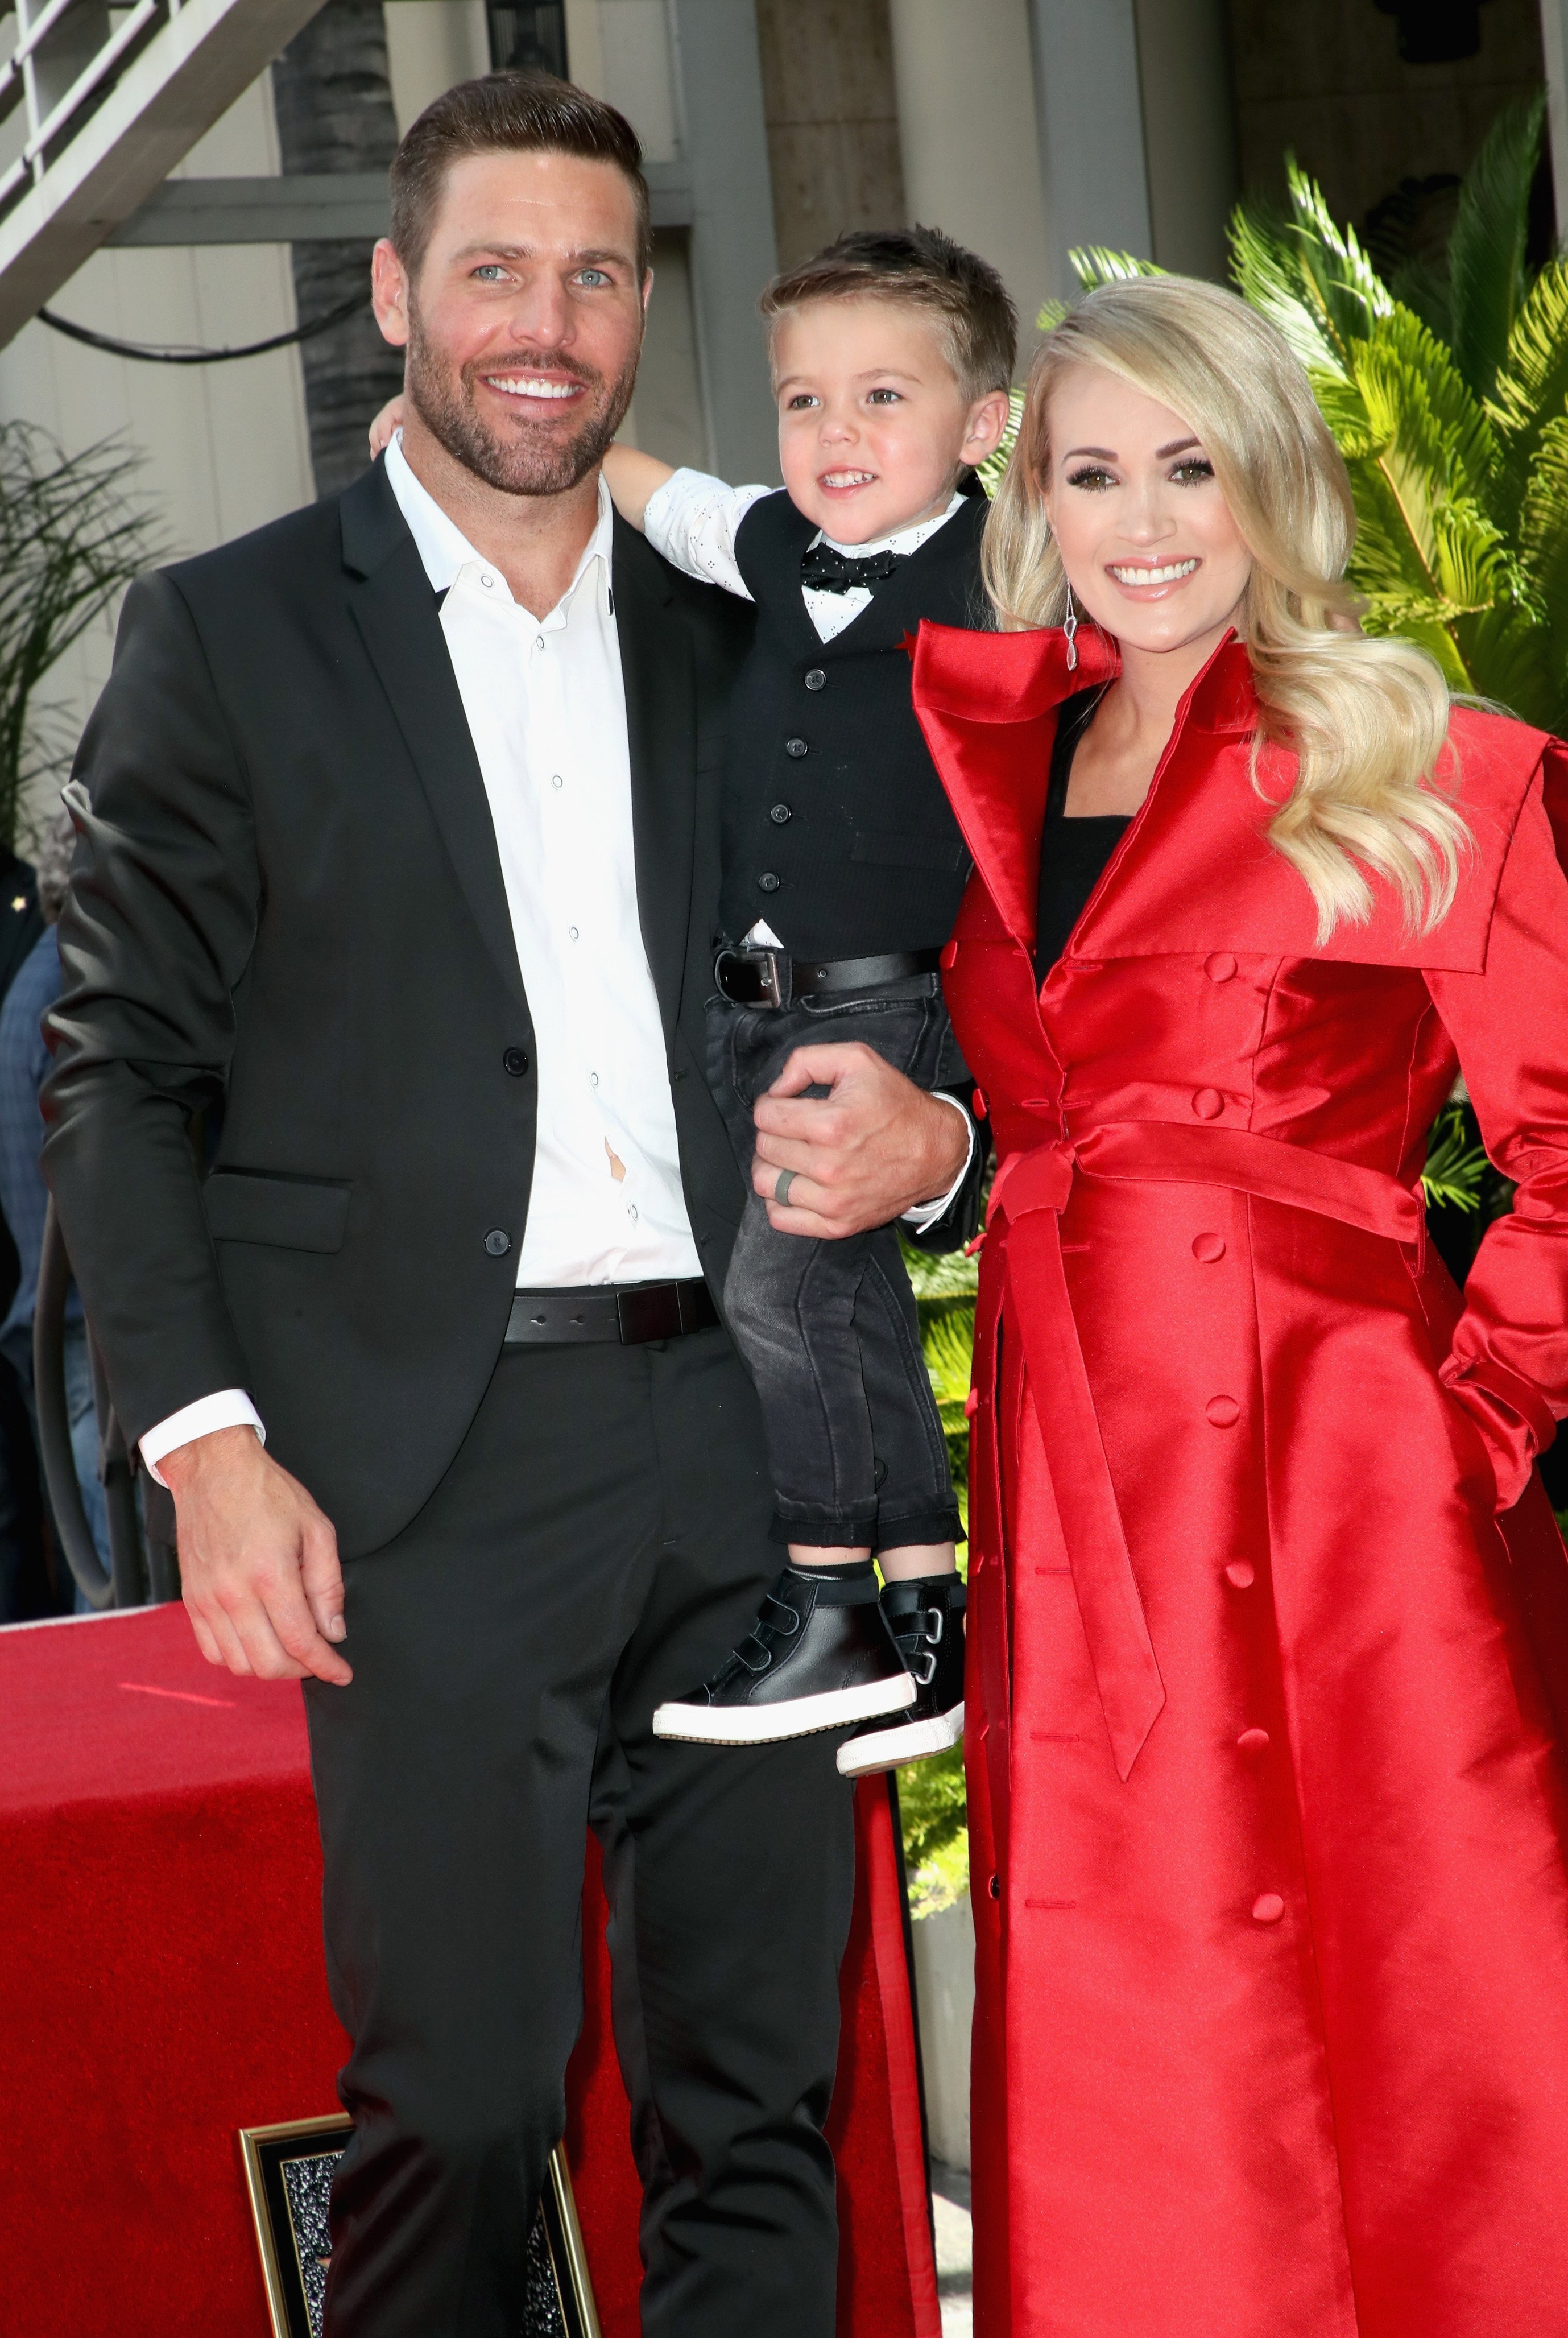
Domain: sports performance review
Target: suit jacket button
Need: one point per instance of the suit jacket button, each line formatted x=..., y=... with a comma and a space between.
x=796, y=747
x=768, y=882
x=815, y=679
x=515, y=1062
x=779, y=814
x=497, y=1242
x=1208, y=1103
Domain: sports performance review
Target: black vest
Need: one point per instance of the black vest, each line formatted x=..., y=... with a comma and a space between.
x=836, y=829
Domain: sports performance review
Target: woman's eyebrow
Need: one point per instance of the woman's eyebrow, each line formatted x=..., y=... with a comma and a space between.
x=1177, y=447
x=1103, y=453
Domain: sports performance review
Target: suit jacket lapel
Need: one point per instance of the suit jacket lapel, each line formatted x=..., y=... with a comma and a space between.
x=397, y=617
x=657, y=667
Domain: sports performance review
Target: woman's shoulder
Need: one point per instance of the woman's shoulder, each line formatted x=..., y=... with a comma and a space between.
x=1494, y=757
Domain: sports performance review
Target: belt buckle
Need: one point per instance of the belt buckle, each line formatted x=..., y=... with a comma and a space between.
x=770, y=968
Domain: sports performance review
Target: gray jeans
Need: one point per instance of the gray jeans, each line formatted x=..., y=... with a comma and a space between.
x=829, y=1329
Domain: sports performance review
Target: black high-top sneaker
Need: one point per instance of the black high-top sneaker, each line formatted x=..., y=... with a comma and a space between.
x=926, y=1617
x=820, y=1655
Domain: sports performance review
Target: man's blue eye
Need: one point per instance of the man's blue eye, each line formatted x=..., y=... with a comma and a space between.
x=490, y=272
x=594, y=276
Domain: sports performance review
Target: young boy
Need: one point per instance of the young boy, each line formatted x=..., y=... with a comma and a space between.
x=843, y=869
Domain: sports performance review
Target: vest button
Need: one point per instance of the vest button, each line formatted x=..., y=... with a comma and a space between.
x=1208, y=1103
x=796, y=747
x=497, y=1242
x=768, y=882
x=515, y=1062
x=815, y=679
x=779, y=814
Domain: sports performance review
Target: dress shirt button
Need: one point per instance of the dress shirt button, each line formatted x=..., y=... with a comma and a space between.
x=768, y=882
x=497, y=1242
x=538, y=641
x=572, y=931
x=593, y=1079
x=815, y=679
x=1208, y=1103
x=1242, y=1575
x=796, y=747
x=1208, y=1249
x=1267, y=1908
x=779, y=814
x=1252, y=1741
x=632, y=1210
x=515, y=1062
x=1220, y=966
x=1223, y=1411
x=556, y=781
x=487, y=580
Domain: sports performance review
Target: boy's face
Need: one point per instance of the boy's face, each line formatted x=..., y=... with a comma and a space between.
x=873, y=426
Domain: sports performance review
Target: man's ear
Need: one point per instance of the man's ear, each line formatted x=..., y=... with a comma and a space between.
x=647, y=294
x=389, y=294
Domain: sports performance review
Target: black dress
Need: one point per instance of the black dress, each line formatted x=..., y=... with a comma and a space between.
x=1072, y=852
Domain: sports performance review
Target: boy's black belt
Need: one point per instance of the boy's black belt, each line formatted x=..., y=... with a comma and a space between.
x=628, y=1311
x=772, y=978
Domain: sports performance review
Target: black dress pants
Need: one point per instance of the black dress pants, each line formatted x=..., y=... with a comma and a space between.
x=599, y=1544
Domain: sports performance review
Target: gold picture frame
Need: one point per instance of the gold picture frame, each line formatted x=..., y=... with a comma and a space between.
x=287, y=2173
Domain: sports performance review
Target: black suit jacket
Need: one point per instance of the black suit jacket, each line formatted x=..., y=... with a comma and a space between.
x=288, y=900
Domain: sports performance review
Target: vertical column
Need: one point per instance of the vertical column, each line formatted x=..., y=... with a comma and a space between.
x=1090, y=112
x=1554, y=56
x=724, y=145
x=969, y=139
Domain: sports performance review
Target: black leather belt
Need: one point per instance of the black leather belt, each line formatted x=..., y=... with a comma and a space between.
x=772, y=978
x=627, y=1312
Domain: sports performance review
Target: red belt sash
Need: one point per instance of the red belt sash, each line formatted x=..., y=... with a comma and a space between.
x=1029, y=1192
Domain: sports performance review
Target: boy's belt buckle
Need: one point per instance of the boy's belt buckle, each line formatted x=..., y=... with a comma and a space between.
x=754, y=978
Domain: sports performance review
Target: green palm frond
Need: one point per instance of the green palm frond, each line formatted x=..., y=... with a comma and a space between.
x=947, y=1339
x=1543, y=545
x=1456, y=1164
x=1530, y=388
x=1488, y=283
x=1307, y=274
x=1096, y=263
x=990, y=472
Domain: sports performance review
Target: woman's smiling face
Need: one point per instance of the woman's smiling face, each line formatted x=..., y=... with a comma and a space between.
x=1145, y=535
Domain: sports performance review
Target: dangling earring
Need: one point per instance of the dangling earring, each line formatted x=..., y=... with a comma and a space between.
x=1070, y=628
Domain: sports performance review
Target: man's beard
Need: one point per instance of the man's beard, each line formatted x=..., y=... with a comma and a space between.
x=528, y=459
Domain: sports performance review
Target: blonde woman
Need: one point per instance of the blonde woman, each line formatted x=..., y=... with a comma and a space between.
x=1269, y=1616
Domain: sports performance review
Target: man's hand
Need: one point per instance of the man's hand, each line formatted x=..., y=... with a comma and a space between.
x=257, y=1561
x=874, y=1147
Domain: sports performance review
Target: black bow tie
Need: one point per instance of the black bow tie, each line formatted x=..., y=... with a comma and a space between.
x=827, y=570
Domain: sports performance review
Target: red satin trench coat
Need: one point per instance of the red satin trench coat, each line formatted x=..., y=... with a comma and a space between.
x=1268, y=1605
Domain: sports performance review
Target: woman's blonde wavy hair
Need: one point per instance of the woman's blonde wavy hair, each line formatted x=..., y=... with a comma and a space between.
x=1366, y=719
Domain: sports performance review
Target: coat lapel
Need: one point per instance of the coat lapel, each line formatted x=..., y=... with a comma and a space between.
x=399, y=619
x=657, y=669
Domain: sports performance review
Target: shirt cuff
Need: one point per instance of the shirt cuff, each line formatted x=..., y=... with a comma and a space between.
x=926, y=1213
x=228, y=1409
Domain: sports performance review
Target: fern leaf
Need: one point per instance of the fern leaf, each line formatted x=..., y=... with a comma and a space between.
x=1487, y=265
x=1531, y=387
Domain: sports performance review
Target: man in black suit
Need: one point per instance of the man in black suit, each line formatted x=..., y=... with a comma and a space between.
x=399, y=839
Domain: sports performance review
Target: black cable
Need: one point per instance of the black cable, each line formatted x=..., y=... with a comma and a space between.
x=146, y=355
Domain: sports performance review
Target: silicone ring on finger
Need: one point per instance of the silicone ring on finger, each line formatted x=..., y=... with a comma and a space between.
x=783, y=1183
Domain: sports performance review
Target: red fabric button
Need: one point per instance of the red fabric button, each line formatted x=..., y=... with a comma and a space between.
x=1223, y=1411
x=1207, y=1248
x=1267, y=1908
x=1208, y=1103
x=1242, y=1575
x=1252, y=1741
x=1220, y=966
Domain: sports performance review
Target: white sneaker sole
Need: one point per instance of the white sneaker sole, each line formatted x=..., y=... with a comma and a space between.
x=800, y=1717
x=888, y=1748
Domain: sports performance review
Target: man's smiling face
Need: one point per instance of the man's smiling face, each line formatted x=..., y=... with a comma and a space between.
x=523, y=322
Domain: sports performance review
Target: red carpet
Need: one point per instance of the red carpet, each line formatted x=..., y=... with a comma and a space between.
x=161, y=1986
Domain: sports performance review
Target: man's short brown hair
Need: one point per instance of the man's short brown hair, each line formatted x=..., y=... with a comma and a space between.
x=508, y=113
x=919, y=267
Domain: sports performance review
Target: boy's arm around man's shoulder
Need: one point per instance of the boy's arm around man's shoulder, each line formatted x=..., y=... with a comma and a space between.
x=158, y=927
